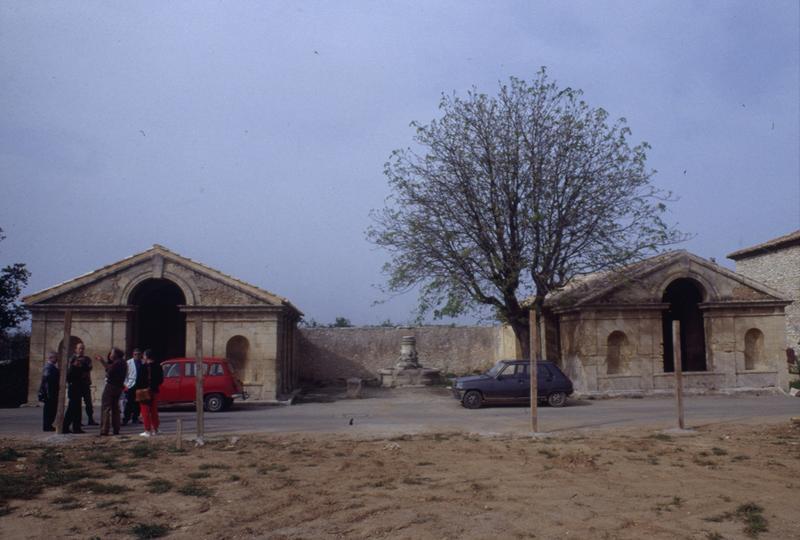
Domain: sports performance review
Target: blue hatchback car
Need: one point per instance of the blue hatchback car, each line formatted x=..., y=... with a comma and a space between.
x=508, y=381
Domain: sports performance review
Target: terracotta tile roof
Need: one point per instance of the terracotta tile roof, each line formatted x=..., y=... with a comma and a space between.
x=791, y=239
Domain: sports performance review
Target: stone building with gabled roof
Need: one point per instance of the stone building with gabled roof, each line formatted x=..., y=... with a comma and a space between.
x=156, y=299
x=612, y=332
x=776, y=262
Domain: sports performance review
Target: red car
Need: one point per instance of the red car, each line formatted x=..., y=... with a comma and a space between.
x=220, y=386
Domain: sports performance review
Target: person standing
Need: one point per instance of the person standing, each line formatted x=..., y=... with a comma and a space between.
x=148, y=381
x=116, y=369
x=85, y=364
x=48, y=391
x=74, y=394
x=131, y=413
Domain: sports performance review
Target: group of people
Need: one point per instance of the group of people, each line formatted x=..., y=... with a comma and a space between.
x=135, y=382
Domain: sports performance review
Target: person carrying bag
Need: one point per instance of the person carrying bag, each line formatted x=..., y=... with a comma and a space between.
x=148, y=381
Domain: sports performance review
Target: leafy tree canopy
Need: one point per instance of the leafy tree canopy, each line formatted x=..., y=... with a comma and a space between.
x=12, y=279
x=510, y=196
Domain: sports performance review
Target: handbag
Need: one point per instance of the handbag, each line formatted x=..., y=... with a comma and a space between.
x=143, y=394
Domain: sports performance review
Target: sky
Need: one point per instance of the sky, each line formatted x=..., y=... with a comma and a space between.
x=251, y=136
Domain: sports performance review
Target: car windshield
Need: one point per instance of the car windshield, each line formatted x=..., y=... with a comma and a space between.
x=496, y=369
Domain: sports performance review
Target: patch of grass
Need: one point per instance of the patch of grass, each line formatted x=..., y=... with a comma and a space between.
x=676, y=502
x=136, y=476
x=714, y=536
x=159, y=485
x=149, y=530
x=549, y=454
x=100, y=488
x=67, y=503
x=754, y=521
x=750, y=514
x=198, y=475
x=234, y=478
x=121, y=514
x=18, y=487
x=740, y=457
x=143, y=450
x=107, y=504
x=661, y=437
x=208, y=466
x=272, y=467
x=412, y=481
x=717, y=451
x=424, y=463
x=194, y=489
x=9, y=454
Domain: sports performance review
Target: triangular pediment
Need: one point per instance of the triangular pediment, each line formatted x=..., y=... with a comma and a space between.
x=644, y=282
x=112, y=284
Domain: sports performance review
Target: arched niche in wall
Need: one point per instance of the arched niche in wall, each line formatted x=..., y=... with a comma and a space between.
x=753, y=349
x=237, y=352
x=618, y=353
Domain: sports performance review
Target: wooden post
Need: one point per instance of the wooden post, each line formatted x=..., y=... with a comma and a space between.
x=533, y=372
x=179, y=434
x=198, y=377
x=62, y=372
x=676, y=361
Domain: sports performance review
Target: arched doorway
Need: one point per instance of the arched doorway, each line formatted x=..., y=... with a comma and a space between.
x=158, y=323
x=684, y=297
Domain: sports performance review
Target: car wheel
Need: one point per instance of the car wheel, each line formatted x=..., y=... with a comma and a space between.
x=557, y=399
x=472, y=400
x=214, y=403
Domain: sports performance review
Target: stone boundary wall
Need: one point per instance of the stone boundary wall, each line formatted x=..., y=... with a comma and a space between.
x=780, y=270
x=334, y=354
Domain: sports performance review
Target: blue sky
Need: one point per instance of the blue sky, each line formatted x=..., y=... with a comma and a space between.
x=251, y=136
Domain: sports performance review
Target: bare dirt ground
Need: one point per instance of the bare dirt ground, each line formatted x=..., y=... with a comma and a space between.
x=722, y=481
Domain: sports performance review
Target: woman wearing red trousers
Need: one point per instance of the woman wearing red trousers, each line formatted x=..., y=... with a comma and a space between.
x=148, y=381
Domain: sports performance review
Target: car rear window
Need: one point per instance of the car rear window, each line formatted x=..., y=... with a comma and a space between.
x=209, y=369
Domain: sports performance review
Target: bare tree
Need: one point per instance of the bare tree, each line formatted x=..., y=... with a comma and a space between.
x=511, y=196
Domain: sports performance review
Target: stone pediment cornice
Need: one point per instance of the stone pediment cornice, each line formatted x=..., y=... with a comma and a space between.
x=156, y=255
x=590, y=290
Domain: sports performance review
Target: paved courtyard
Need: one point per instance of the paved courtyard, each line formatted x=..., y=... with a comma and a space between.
x=433, y=409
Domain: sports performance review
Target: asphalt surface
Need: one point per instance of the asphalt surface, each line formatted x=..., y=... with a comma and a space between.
x=418, y=410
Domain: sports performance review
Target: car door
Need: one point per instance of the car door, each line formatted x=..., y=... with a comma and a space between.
x=188, y=382
x=170, y=388
x=510, y=384
x=545, y=379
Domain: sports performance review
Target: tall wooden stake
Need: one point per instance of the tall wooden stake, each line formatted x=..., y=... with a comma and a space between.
x=198, y=377
x=179, y=434
x=676, y=360
x=62, y=371
x=533, y=371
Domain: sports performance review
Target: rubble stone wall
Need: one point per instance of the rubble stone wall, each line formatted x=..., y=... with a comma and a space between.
x=334, y=354
x=780, y=270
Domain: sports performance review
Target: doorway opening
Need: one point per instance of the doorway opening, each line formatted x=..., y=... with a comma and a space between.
x=684, y=297
x=158, y=322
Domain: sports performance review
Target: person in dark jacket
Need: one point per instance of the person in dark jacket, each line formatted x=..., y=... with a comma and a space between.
x=48, y=391
x=74, y=393
x=116, y=368
x=85, y=381
x=149, y=378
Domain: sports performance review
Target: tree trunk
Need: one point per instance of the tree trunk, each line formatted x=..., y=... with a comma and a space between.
x=538, y=305
x=522, y=335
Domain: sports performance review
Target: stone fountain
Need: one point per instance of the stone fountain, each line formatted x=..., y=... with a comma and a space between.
x=408, y=371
